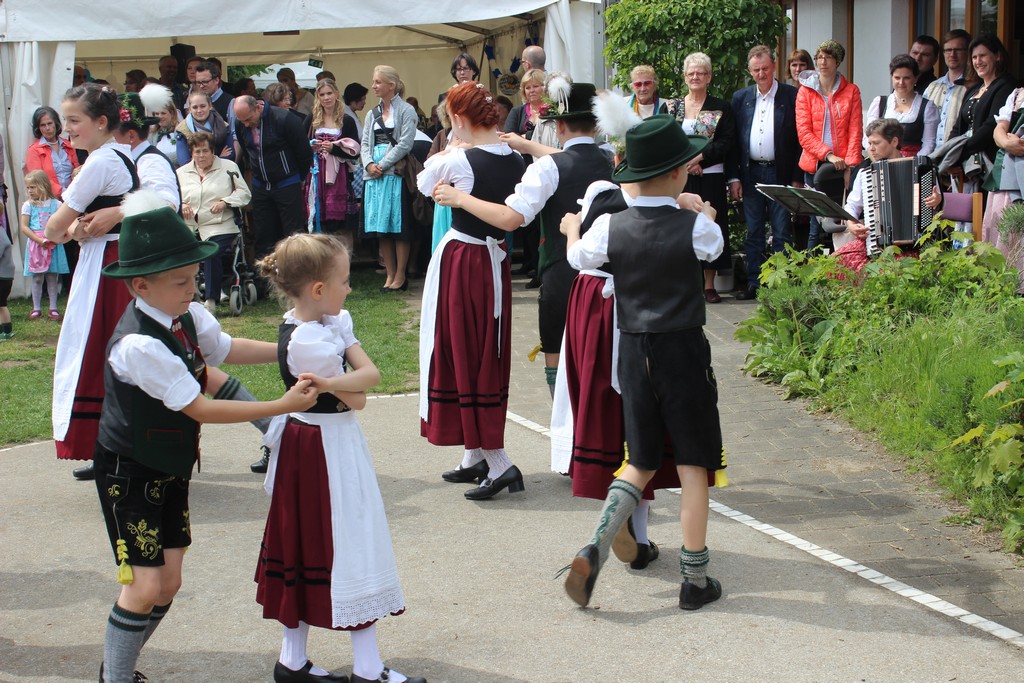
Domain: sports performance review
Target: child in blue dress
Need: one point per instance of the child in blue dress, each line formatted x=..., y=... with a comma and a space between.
x=44, y=260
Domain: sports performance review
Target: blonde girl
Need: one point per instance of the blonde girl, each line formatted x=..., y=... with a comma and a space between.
x=44, y=259
x=334, y=138
x=326, y=507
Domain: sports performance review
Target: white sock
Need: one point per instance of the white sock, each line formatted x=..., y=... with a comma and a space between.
x=497, y=462
x=366, y=661
x=293, y=649
x=471, y=457
x=640, y=516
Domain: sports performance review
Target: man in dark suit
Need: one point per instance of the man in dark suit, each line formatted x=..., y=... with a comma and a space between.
x=768, y=151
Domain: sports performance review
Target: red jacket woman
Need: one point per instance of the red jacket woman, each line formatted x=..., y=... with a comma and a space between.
x=46, y=128
x=844, y=114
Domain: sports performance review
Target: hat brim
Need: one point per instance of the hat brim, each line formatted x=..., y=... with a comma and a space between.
x=624, y=174
x=570, y=115
x=200, y=251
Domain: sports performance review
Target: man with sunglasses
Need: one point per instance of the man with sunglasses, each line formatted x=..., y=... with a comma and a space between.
x=947, y=92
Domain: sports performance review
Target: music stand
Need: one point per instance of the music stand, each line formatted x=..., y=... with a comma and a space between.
x=802, y=201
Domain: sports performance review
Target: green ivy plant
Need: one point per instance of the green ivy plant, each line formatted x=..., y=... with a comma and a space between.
x=662, y=32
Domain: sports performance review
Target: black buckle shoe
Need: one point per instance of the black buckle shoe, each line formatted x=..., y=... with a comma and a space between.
x=691, y=597
x=645, y=554
x=137, y=677
x=384, y=677
x=260, y=466
x=86, y=473
x=464, y=475
x=511, y=479
x=579, y=584
x=283, y=674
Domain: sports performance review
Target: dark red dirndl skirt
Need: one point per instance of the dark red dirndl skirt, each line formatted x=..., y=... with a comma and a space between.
x=293, y=574
x=467, y=392
x=598, y=430
x=112, y=298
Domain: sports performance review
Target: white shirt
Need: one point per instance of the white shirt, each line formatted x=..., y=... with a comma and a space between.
x=453, y=167
x=591, y=250
x=103, y=175
x=1006, y=111
x=157, y=175
x=931, y=118
x=146, y=362
x=539, y=184
x=319, y=346
x=762, y=128
x=854, y=206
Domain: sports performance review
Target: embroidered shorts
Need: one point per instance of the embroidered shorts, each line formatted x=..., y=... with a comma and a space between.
x=143, y=507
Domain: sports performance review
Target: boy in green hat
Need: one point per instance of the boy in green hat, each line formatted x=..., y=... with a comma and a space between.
x=664, y=368
x=149, y=428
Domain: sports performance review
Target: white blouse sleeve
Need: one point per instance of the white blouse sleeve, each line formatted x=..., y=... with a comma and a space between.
x=872, y=114
x=147, y=363
x=591, y=251
x=103, y=174
x=452, y=167
x=535, y=189
x=931, y=128
x=316, y=348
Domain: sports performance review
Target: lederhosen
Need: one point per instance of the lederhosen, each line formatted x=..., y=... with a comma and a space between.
x=668, y=384
x=145, y=453
x=598, y=429
x=469, y=367
x=578, y=166
x=112, y=298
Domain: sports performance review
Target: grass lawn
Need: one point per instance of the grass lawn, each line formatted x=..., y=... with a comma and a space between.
x=384, y=324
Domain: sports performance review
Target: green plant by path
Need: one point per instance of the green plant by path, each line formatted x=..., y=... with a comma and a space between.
x=907, y=349
x=384, y=324
x=662, y=32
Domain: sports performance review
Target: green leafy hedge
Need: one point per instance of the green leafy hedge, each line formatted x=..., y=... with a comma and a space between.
x=909, y=349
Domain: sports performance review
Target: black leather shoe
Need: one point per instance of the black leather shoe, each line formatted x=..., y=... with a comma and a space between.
x=645, y=554
x=86, y=473
x=283, y=674
x=260, y=466
x=691, y=597
x=511, y=479
x=579, y=584
x=384, y=677
x=746, y=294
x=534, y=283
x=137, y=677
x=464, y=475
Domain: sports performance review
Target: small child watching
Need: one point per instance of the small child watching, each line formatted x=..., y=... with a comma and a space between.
x=664, y=368
x=44, y=260
x=148, y=441
x=326, y=559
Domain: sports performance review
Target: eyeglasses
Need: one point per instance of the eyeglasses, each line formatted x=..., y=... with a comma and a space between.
x=204, y=83
x=642, y=84
x=463, y=69
x=954, y=50
x=698, y=74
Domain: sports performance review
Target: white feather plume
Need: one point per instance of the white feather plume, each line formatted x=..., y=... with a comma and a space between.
x=155, y=97
x=558, y=86
x=141, y=201
x=614, y=115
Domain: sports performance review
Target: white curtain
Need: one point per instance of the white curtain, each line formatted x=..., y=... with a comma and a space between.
x=569, y=39
x=32, y=74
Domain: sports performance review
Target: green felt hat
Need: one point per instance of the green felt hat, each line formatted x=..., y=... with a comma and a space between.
x=656, y=146
x=133, y=111
x=155, y=241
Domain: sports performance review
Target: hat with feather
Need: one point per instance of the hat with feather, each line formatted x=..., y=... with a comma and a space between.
x=567, y=100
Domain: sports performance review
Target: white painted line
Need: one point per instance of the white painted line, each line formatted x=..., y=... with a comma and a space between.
x=930, y=601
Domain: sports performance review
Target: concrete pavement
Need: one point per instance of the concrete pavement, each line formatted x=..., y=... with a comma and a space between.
x=478, y=577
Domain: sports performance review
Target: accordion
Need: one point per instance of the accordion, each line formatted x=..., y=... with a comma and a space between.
x=894, y=208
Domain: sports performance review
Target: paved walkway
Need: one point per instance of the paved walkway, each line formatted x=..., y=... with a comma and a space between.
x=836, y=564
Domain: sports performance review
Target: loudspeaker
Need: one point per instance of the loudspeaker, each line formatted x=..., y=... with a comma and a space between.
x=182, y=52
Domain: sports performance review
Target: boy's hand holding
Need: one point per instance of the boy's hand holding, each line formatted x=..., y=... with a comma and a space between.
x=446, y=195
x=300, y=397
x=709, y=210
x=570, y=225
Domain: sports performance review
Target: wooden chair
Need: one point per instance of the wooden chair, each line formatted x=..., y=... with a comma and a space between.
x=964, y=208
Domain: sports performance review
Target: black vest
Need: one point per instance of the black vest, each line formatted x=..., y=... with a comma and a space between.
x=659, y=283
x=223, y=104
x=153, y=150
x=494, y=178
x=326, y=402
x=578, y=167
x=913, y=132
x=105, y=202
x=607, y=202
x=136, y=425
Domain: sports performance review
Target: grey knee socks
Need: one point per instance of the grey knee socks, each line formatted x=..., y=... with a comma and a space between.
x=622, y=499
x=233, y=390
x=126, y=633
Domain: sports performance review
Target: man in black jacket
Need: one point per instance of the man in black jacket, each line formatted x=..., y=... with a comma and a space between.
x=276, y=149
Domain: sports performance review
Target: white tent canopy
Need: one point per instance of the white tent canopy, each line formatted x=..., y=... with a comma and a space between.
x=41, y=41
